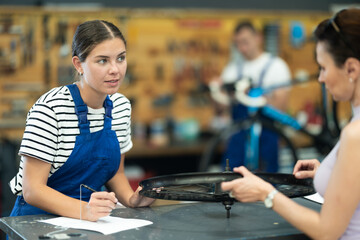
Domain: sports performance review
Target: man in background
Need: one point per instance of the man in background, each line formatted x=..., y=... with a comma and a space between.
x=263, y=70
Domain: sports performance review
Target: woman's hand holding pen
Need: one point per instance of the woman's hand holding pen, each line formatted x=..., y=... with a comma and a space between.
x=100, y=205
x=306, y=168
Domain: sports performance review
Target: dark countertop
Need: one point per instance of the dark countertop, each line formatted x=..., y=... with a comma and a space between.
x=178, y=221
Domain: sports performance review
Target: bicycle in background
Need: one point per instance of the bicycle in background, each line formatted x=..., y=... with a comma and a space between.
x=262, y=115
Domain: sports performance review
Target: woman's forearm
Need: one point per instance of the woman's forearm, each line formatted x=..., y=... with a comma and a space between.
x=52, y=201
x=330, y=223
x=304, y=219
x=119, y=184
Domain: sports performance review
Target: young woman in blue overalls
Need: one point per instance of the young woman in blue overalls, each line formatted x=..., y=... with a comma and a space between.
x=52, y=167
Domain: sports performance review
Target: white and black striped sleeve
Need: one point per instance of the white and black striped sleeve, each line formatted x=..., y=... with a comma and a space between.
x=122, y=121
x=41, y=133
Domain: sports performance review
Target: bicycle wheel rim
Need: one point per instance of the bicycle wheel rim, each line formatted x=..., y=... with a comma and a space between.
x=206, y=186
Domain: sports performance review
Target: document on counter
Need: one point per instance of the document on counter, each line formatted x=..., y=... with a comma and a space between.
x=316, y=197
x=105, y=225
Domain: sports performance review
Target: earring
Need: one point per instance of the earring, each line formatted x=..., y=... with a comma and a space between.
x=80, y=73
x=351, y=80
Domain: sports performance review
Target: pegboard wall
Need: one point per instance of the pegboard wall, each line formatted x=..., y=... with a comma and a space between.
x=171, y=55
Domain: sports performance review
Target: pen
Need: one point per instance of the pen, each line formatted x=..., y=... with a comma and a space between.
x=86, y=186
x=93, y=190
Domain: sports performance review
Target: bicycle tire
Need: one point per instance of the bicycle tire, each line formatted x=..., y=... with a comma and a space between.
x=181, y=186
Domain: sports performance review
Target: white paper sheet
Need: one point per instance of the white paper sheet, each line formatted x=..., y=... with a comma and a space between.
x=316, y=197
x=106, y=225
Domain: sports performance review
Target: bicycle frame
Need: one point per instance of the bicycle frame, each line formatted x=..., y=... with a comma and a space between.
x=254, y=99
x=252, y=144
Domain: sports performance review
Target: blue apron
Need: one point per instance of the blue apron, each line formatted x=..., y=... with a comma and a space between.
x=94, y=160
x=236, y=146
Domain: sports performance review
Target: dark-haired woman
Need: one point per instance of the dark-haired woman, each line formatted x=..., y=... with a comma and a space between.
x=337, y=177
x=79, y=134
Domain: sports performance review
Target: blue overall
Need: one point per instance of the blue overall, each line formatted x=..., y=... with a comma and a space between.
x=236, y=146
x=94, y=160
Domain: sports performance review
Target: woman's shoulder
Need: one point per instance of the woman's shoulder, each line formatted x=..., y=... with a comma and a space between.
x=55, y=95
x=119, y=99
x=55, y=98
x=351, y=130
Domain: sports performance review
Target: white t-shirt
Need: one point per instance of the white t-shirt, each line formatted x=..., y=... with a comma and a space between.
x=278, y=72
x=52, y=127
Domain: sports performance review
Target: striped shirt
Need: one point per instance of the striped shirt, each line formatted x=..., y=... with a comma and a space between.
x=52, y=127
